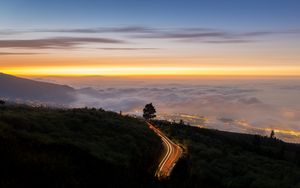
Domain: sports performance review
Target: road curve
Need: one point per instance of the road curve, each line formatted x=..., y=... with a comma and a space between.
x=171, y=155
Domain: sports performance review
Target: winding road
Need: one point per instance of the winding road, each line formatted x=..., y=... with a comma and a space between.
x=170, y=156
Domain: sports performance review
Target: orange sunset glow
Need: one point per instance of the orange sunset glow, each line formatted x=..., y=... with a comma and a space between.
x=152, y=71
x=150, y=93
x=83, y=65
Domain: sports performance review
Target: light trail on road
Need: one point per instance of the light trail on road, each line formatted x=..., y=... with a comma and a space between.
x=171, y=156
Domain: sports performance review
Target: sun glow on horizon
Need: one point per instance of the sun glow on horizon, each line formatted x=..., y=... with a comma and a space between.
x=153, y=71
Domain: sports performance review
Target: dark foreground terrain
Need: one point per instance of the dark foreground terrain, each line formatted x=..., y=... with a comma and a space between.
x=44, y=147
x=47, y=147
x=217, y=159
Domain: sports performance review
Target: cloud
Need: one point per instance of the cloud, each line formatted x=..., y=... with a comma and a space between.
x=174, y=98
x=197, y=35
x=184, y=35
x=127, y=29
x=208, y=35
x=12, y=53
x=128, y=49
x=189, y=34
x=54, y=43
x=290, y=87
x=251, y=100
x=11, y=32
x=227, y=41
x=259, y=33
x=239, y=106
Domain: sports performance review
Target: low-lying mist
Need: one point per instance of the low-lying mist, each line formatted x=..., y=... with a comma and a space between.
x=241, y=105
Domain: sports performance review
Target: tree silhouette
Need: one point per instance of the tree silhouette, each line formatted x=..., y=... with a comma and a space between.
x=149, y=111
x=181, y=122
x=2, y=102
x=272, y=135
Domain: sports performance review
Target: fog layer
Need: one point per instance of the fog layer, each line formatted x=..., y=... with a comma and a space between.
x=241, y=105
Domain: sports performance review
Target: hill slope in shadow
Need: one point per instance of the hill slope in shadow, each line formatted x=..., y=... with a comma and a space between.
x=21, y=89
x=44, y=147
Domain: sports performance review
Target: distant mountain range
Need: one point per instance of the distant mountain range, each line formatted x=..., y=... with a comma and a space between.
x=25, y=90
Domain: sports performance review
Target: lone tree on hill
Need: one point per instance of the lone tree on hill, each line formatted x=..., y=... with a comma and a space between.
x=149, y=111
x=2, y=102
x=272, y=135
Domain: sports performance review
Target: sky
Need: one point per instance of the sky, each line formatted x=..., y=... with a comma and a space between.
x=150, y=38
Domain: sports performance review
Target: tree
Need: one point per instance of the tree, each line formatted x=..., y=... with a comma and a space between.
x=272, y=135
x=149, y=111
x=181, y=122
x=2, y=102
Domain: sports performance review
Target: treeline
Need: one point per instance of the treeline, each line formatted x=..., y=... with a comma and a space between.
x=223, y=159
x=46, y=147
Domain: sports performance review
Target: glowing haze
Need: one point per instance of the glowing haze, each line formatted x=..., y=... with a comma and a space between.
x=150, y=38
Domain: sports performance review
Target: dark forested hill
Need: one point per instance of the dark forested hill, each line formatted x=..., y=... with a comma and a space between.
x=44, y=147
x=15, y=88
x=48, y=147
x=217, y=159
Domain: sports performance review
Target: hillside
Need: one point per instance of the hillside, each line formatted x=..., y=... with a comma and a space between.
x=54, y=147
x=44, y=147
x=217, y=159
x=24, y=90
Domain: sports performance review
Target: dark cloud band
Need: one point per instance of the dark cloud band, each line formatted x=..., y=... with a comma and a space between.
x=183, y=35
x=13, y=54
x=133, y=49
x=55, y=43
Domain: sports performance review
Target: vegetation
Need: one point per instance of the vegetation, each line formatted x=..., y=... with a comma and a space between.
x=272, y=135
x=223, y=159
x=2, y=102
x=149, y=111
x=44, y=147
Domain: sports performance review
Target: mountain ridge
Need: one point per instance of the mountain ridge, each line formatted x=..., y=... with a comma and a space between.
x=23, y=89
